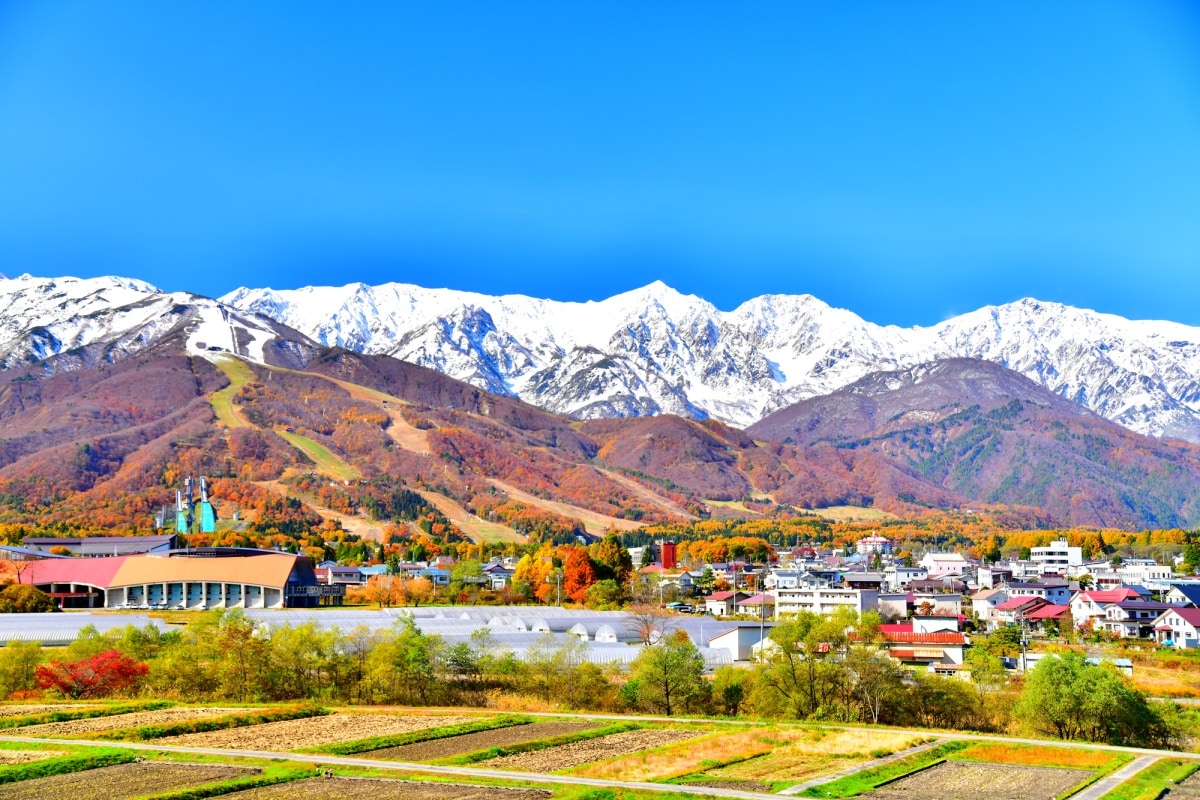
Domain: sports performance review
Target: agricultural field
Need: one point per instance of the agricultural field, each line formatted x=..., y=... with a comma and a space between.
x=29, y=709
x=84, y=727
x=312, y=731
x=482, y=740
x=796, y=755
x=973, y=780
x=1187, y=789
x=566, y=756
x=383, y=789
x=123, y=781
x=8, y=757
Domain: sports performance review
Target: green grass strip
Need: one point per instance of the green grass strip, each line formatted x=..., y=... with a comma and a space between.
x=873, y=778
x=61, y=766
x=413, y=737
x=88, y=713
x=269, y=777
x=1150, y=783
x=536, y=744
x=142, y=733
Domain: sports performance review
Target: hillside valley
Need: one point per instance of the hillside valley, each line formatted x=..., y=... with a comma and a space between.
x=100, y=420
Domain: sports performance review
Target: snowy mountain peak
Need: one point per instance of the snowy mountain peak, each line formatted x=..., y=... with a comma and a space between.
x=655, y=350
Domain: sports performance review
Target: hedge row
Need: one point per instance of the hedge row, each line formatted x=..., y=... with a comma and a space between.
x=413, y=737
x=539, y=744
x=142, y=733
x=83, y=713
x=235, y=785
x=64, y=765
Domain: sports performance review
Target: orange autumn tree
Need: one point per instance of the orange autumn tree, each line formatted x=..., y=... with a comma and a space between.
x=578, y=574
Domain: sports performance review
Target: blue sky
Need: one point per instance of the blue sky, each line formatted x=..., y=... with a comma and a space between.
x=906, y=161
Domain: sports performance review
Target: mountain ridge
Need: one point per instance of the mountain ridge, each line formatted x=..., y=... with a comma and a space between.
x=654, y=350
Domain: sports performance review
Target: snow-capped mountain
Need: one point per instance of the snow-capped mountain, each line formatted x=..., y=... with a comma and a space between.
x=654, y=350
x=106, y=319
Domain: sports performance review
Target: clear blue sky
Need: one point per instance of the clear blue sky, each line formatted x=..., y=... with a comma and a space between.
x=905, y=160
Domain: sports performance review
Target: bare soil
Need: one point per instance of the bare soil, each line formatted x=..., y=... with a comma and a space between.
x=977, y=781
x=311, y=731
x=30, y=709
x=82, y=727
x=383, y=789
x=565, y=756
x=470, y=742
x=122, y=781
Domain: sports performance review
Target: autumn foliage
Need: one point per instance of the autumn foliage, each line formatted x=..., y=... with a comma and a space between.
x=101, y=675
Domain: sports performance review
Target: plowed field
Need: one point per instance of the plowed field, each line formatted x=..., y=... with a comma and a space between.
x=82, y=727
x=381, y=789
x=122, y=781
x=975, y=781
x=565, y=756
x=470, y=742
x=311, y=732
x=38, y=708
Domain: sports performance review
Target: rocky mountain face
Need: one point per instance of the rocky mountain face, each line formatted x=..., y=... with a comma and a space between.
x=655, y=351
x=986, y=434
x=59, y=324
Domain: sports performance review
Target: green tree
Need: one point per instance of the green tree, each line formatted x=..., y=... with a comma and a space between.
x=729, y=688
x=877, y=681
x=798, y=670
x=611, y=560
x=1072, y=699
x=18, y=661
x=669, y=675
x=604, y=595
x=20, y=598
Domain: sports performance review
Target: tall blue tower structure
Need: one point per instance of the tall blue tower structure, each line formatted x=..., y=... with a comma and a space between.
x=185, y=508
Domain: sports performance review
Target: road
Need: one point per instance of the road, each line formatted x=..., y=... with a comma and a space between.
x=1109, y=782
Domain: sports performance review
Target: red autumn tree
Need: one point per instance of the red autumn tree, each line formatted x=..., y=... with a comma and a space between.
x=100, y=675
x=578, y=574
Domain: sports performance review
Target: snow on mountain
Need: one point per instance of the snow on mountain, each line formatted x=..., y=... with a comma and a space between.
x=654, y=350
x=45, y=317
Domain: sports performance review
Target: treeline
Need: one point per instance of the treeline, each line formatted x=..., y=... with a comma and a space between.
x=810, y=669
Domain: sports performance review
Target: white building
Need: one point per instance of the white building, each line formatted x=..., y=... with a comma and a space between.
x=789, y=602
x=1178, y=627
x=1056, y=558
x=873, y=544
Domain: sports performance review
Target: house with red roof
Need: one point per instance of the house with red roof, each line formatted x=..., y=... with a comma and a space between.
x=1090, y=606
x=1015, y=610
x=723, y=604
x=1178, y=627
x=936, y=651
x=1040, y=619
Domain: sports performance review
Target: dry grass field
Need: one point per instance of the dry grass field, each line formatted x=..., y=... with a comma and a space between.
x=122, y=781
x=1035, y=756
x=692, y=756
x=813, y=753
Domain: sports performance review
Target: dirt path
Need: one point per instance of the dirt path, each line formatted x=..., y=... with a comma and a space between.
x=401, y=430
x=367, y=529
x=593, y=523
x=664, y=503
x=478, y=529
